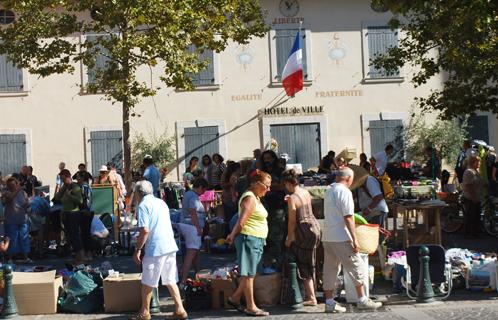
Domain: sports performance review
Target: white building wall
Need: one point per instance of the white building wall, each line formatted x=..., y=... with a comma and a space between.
x=57, y=113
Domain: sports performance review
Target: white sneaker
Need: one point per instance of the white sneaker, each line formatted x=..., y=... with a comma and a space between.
x=369, y=305
x=335, y=308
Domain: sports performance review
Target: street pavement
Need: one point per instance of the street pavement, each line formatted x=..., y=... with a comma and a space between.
x=462, y=304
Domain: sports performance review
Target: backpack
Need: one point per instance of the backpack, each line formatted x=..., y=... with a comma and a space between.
x=385, y=186
x=86, y=192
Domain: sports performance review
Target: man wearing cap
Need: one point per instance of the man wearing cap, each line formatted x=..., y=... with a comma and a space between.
x=152, y=174
x=340, y=243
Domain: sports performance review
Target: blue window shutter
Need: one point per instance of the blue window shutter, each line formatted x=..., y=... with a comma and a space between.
x=204, y=77
x=284, y=40
x=11, y=79
x=384, y=132
x=380, y=40
x=200, y=137
x=12, y=153
x=101, y=59
x=107, y=146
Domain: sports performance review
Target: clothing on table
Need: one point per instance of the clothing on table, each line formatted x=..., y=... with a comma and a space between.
x=341, y=253
x=19, y=238
x=191, y=201
x=153, y=175
x=153, y=214
x=307, y=239
x=381, y=159
x=256, y=225
x=16, y=210
x=338, y=203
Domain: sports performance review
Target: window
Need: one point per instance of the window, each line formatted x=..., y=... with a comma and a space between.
x=384, y=132
x=201, y=141
x=101, y=59
x=478, y=128
x=12, y=153
x=11, y=77
x=206, y=76
x=377, y=41
x=106, y=146
x=284, y=40
x=6, y=16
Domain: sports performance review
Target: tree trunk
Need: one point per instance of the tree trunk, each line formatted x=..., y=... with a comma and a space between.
x=126, y=146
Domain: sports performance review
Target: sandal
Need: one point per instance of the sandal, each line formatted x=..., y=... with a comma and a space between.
x=178, y=316
x=257, y=313
x=234, y=305
x=310, y=303
x=139, y=316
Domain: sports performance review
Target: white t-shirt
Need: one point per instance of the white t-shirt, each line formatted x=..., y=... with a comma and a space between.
x=380, y=162
x=373, y=186
x=338, y=203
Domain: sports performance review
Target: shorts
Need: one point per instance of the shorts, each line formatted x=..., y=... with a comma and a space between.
x=249, y=253
x=189, y=234
x=163, y=267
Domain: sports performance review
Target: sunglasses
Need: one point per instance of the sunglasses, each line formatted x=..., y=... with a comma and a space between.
x=265, y=185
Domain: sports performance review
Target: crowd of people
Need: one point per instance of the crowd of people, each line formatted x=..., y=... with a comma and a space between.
x=268, y=209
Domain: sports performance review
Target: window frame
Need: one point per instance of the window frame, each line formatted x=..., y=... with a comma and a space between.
x=366, y=55
x=272, y=43
x=216, y=76
x=5, y=16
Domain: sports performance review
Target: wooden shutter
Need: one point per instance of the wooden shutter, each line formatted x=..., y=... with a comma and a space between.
x=101, y=58
x=107, y=146
x=284, y=40
x=200, y=137
x=300, y=141
x=380, y=40
x=12, y=153
x=384, y=132
x=204, y=77
x=478, y=128
x=11, y=79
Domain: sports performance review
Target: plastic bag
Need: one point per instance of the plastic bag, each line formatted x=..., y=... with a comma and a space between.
x=83, y=293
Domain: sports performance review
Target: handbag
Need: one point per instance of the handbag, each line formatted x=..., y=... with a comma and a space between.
x=368, y=237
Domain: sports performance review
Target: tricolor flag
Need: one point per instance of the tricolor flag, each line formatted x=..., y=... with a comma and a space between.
x=292, y=76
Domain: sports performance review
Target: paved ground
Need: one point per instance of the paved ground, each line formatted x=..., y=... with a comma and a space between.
x=462, y=304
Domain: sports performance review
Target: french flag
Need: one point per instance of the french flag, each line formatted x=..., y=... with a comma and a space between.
x=292, y=76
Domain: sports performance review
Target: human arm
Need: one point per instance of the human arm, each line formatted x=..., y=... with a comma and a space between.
x=291, y=223
x=141, y=240
x=349, y=221
x=374, y=191
x=246, y=209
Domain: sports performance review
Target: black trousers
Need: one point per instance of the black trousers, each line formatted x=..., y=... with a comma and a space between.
x=77, y=225
x=472, y=217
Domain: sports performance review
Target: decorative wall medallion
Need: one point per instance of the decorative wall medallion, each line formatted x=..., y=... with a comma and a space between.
x=244, y=56
x=337, y=49
x=289, y=8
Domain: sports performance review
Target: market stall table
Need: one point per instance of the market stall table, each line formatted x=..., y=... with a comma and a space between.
x=430, y=211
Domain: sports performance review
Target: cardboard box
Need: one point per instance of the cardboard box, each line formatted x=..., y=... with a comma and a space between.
x=36, y=292
x=122, y=294
x=221, y=290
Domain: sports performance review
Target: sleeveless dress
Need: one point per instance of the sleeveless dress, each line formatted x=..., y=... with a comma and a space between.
x=307, y=240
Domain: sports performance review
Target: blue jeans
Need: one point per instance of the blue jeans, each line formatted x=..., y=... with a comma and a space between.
x=19, y=238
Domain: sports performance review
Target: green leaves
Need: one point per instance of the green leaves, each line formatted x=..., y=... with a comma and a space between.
x=142, y=33
x=448, y=38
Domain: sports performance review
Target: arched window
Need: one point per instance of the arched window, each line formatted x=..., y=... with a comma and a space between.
x=6, y=16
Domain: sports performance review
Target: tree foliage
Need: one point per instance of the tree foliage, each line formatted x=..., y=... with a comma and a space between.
x=131, y=34
x=457, y=39
x=160, y=146
x=446, y=136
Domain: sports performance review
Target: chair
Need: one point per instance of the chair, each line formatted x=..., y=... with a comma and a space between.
x=439, y=270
